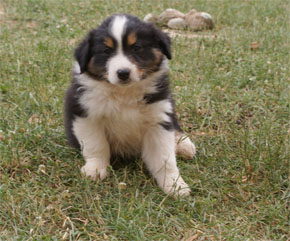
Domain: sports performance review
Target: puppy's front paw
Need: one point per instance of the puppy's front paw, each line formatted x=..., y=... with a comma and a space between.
x=174, y=186
x=95, y=169
x=181, y=188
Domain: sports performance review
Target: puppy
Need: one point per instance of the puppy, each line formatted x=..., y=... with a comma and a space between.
x=119, y=102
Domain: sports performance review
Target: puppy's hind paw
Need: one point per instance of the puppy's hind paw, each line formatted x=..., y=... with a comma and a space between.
x=185, y=147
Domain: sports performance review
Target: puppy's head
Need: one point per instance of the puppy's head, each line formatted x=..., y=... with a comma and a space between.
x=123, y=50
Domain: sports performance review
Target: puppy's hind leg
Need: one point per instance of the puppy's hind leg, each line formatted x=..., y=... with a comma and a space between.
x=184, y=146
x=158, y=153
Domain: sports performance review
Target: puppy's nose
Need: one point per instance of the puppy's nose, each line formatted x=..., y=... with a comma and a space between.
x=123, y=74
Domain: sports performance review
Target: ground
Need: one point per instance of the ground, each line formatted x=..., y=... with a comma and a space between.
x=232, y=94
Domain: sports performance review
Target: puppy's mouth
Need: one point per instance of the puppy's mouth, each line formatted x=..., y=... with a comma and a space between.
x=125, y=82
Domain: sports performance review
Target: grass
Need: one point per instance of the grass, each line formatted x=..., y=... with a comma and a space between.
x=232, y=101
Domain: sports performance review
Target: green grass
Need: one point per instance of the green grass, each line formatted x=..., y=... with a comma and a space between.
x=232, y=101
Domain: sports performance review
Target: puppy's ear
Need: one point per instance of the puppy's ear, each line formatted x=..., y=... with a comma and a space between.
x=164, y=42
x=83, y=53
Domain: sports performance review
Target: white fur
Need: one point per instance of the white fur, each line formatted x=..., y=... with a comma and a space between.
x=76, y=69
x=118, y=27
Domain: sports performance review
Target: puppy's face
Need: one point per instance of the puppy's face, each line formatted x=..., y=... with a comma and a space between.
x=123, y=50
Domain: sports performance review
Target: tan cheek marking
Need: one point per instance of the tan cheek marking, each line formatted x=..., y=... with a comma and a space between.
x=154, y=64
x=94, y=70
x=156, y=60
x=109, y=42
x=132, y=38
x=91, y=66
x=158, y=55
x=151, y=65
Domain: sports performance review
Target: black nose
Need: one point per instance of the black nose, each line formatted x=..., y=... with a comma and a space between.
x=123, y=74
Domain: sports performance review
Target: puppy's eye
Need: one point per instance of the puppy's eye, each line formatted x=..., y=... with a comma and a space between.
x=136, y=48
x=108, y=50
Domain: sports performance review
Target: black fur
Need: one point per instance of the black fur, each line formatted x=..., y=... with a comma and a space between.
x=174, y=121
x=83, y=53
x=163, y=91
x=164, y=42
x=72, y=110
x=167, y=125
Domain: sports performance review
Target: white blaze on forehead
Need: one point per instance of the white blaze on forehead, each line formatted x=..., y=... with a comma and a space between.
x=118, y=27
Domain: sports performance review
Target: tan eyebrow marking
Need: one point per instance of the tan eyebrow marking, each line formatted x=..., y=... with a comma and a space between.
x=109, y=42
x=132, y=38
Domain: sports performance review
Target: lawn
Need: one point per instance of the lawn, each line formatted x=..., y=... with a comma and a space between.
x=232, y=100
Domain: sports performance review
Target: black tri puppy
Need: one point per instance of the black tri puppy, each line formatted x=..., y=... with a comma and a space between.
x=119, y=102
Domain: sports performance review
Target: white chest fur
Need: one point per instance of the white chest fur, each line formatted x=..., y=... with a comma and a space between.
x=122, y=112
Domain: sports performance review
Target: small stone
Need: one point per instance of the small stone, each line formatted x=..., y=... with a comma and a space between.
x=41, y=168
x=206, y=15
x=255, y=46
x=177, y=23
x=22, y=130
x=170, y=14
x=198, y=21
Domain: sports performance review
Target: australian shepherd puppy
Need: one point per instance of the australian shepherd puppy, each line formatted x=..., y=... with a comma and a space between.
x=119, y=102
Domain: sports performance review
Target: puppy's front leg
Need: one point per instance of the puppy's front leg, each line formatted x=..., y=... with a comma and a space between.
x=95, y=147
x=158, y=153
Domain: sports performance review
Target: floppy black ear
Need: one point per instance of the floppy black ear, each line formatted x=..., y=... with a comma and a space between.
x=164, y=42
x=83, y=53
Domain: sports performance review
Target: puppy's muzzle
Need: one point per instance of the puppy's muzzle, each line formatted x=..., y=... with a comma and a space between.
x=123, y=75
